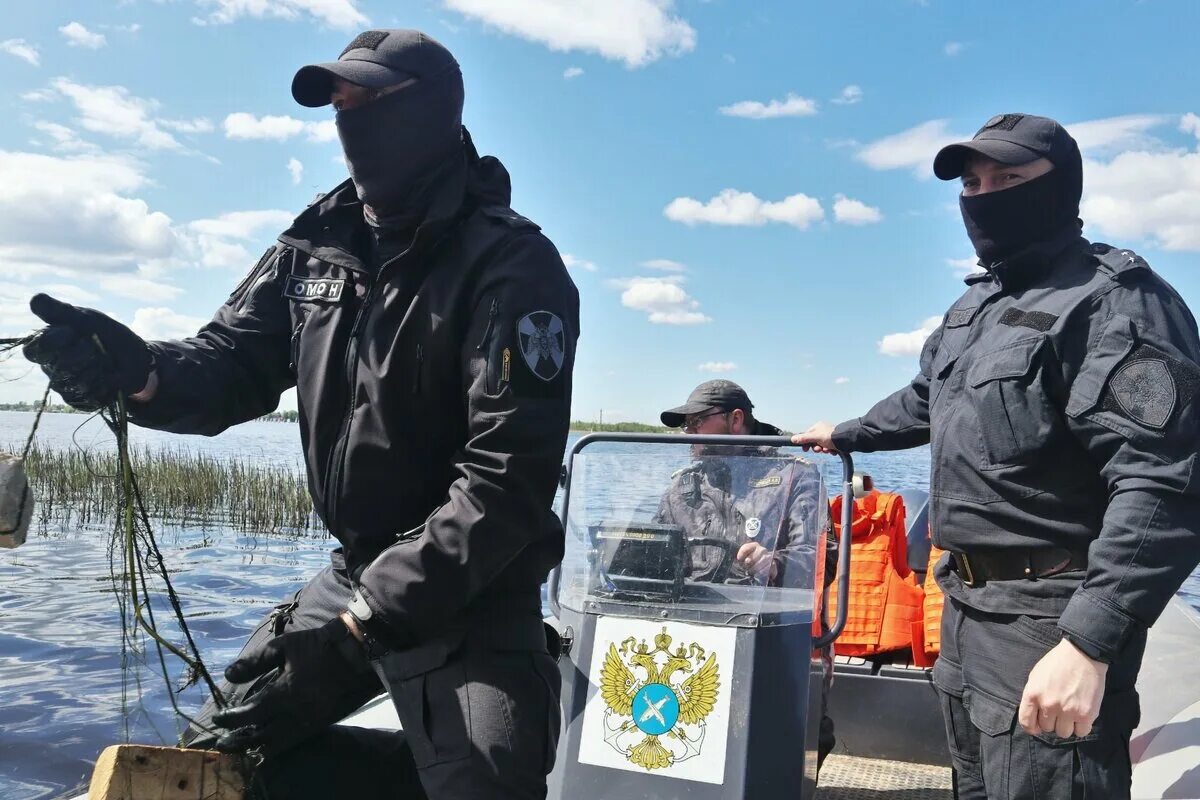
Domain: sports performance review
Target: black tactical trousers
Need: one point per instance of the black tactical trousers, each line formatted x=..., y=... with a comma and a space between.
x=980, y=676
x=477, y=722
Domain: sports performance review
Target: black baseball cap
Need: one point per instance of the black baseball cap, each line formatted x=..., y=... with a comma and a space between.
x=1010, y=139
x=722, y=394
x=375, y=59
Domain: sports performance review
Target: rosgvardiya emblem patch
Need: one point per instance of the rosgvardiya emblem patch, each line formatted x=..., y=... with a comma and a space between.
x=657, y=700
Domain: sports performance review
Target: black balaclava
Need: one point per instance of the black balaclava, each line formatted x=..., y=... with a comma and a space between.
x=1001, y=224
x=398, y=146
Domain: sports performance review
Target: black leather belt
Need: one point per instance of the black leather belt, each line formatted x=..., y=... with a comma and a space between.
x=1006, y=565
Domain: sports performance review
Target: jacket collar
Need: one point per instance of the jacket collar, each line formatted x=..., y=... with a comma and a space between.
x=1033, y=263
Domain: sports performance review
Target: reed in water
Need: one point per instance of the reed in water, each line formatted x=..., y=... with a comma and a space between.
x=74, y=487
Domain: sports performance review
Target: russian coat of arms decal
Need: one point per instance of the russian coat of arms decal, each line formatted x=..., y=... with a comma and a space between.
x=661, y=700
x=658, y=699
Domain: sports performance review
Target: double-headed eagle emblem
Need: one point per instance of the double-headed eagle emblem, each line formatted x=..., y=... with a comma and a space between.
x=657, y=720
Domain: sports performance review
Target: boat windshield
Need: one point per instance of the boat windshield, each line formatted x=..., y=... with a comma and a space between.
x=725, y=535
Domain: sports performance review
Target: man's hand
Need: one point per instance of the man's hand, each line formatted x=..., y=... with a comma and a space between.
x=1063, y=693
x=819, y=437
x=89, y=357
x=318, y=682
x=757, y=560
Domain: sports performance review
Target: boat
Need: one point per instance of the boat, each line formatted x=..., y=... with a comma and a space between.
x=673, y=688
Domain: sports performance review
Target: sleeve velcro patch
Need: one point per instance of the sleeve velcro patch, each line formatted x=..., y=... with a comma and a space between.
x=1149, y=386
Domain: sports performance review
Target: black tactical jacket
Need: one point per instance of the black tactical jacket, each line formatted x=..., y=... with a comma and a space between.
x=748, y=499
x=1059, y=398
x=434, y=394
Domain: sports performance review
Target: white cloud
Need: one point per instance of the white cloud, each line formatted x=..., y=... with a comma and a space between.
x=663, y=299
x=842, y=381
x=162, y=323
x=791, y=106
x=138, y=288
x=220, y=241
x=296, y=170
x=911, y=342
x=343, y=14
x=113, y=111
x=572, y=72
x=39, y=96
x=636, y=32
x=65, y=139
x=854, y=212
x=132, y=27
x=22, y=50
x=850, y=95
x=1190, y=123
x=241, y=125
x=665, y=265
x=717, y=366
x=573, y=262
x=953, y=48
x=732, y=207
x=1146, y=195
x=1117, y=133
x=109, y=231
x=911, y=149
x=197, y=125
x=79, y=36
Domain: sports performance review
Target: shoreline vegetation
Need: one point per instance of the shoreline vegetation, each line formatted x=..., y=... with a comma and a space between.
x=73, y=488
x=577, y=426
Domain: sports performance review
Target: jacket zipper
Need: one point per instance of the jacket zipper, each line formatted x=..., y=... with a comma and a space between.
x=482, y=347
x=487, y=332
x=333, y=473
x=420, y=369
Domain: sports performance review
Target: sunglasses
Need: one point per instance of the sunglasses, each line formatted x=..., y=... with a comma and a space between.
x=690, y=424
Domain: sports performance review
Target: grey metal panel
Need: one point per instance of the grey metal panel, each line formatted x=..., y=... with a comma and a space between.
x=770, y=725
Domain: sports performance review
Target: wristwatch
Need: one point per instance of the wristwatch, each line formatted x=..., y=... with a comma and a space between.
x=362, y=614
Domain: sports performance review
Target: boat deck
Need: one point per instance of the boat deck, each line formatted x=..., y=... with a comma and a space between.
x=851, y=778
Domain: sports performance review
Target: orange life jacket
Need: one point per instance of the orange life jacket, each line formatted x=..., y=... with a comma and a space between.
x=885, y=599
x=934, y=600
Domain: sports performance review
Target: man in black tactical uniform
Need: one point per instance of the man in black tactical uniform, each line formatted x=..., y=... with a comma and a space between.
x=745, y=505
x=1059, y=396
x=430, y=333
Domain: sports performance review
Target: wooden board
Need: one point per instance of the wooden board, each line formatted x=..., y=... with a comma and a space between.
x=141, y=772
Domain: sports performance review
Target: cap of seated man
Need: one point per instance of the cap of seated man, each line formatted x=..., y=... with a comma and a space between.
x=718, y=400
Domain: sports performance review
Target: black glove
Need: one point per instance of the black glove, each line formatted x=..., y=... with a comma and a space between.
x=323, y=675
x=86, y=376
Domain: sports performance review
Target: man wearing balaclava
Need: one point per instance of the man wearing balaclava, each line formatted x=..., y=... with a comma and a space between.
x=1059, y=396
x=430, y=333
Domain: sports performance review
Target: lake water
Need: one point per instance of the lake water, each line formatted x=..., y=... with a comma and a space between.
x=60, y=651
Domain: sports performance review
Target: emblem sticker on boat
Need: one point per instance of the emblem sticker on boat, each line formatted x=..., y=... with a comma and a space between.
x=663, y=704
x=328, y=290
x=753, y=526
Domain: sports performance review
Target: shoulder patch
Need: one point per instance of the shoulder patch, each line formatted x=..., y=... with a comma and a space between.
x=543, y=343
x=1113, y=262
x=1149, y=386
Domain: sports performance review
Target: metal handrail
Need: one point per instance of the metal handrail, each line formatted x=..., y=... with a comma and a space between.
x=552, y=581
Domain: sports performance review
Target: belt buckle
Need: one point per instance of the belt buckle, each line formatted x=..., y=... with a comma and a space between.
x=964, y=569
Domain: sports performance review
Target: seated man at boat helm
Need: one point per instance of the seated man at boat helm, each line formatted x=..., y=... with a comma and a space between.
x=745, y=509
x=430, y=333
x=1060, y=396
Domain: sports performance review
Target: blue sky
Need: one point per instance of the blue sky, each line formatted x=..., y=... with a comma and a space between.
x=741, y=188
